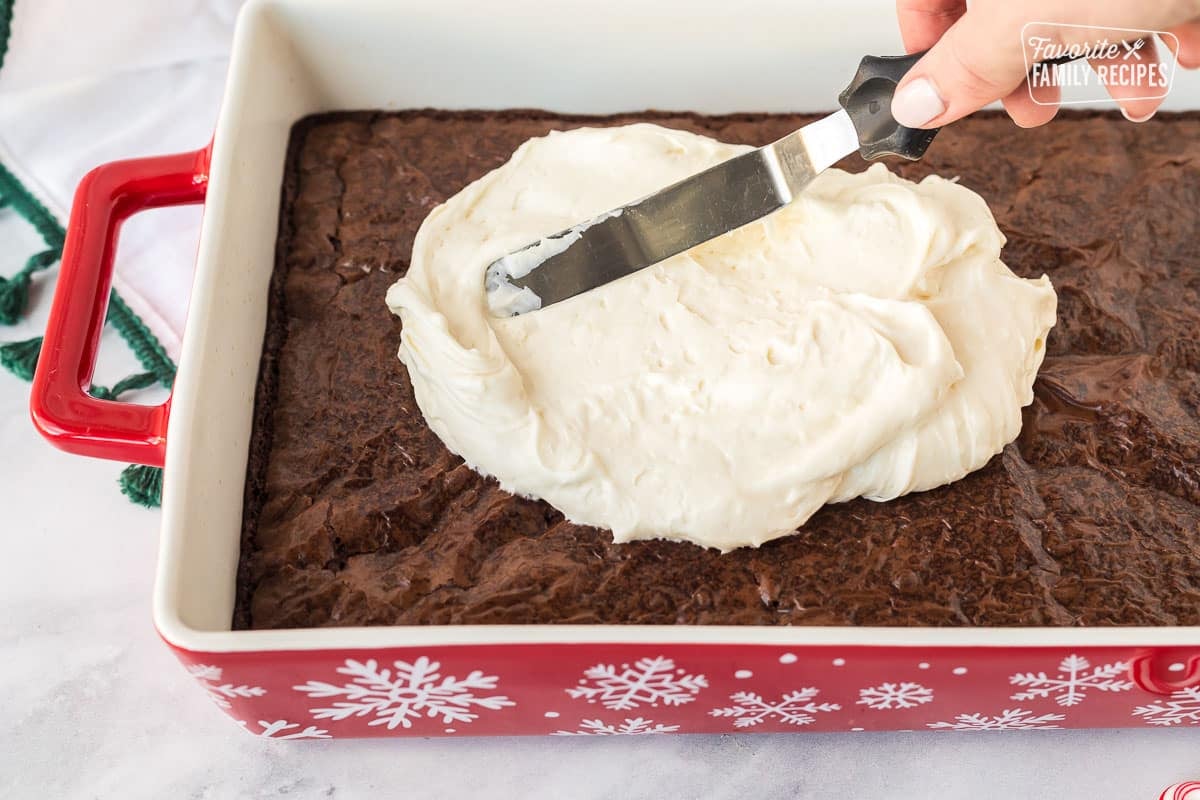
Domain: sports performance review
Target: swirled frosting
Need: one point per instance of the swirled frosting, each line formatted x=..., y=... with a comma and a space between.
x=867, y=340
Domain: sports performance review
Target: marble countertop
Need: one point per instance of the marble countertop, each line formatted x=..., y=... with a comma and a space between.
x=96, y=707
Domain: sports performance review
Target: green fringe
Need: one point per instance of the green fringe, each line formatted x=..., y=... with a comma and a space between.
x=141, y=340
x=20, y=358
x=6, y=13
x=14, y=296
x=139, y=381
x=29, y=207
x=14, y=291
x=142, y=485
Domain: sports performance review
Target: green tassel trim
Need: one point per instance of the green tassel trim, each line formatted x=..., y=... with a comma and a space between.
x=14, y=295
x=142, y=485
x=139, y=381
x=6, y=13
x=39, y=261
x=31, y=209
x=20, y=358
x=141, y=340
x=14, y=291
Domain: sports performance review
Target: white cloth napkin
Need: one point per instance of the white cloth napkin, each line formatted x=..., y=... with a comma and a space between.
x=83, y=84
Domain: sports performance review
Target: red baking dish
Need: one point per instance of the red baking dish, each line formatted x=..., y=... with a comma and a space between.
x=296, y=57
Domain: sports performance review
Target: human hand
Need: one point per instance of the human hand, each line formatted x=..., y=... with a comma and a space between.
x=975, y=55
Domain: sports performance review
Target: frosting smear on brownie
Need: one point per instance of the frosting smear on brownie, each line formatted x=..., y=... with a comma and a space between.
x=865, y=341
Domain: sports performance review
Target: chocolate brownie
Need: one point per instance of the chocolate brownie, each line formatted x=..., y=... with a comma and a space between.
x=356, y=514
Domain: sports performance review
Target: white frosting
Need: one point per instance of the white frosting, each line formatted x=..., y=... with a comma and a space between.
x=864, y=341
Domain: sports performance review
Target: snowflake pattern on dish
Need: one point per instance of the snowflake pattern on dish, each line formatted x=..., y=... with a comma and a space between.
x=1188, y=790
x=1181, y=708
x=630, y=727
x=1010, y=719
x=275, y=730
x=794, y=708
x=649, y=680
x=887, y=696
x=396, y=698
x=1070, y=687
x=221, y=693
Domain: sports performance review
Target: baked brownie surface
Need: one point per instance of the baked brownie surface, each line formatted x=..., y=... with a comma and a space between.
x=356, y=514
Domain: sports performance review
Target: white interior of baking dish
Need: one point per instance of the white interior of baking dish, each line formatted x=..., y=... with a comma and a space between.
x=296, y=57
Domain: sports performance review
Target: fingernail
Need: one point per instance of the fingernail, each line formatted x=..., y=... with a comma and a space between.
x=917, y=103
x=1125, y=114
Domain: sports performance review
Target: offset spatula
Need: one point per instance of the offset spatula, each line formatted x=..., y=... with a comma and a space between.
x=708, y=204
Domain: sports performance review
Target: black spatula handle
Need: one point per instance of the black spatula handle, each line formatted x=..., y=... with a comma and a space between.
x=868, y=101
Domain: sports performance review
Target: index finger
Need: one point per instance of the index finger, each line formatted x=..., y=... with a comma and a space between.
x=922, y=22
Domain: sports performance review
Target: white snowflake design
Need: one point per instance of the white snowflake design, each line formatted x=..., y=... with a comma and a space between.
x=275, y=730
x=1010, y=719
x=1073, y=681
x=794, y=708
x=1183, y=707
x=397, y=698
x=221, y=693
x=649, y=680
x=630, y=727
x=887, y=696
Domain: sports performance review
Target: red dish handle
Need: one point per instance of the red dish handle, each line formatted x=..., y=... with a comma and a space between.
x=61, y=407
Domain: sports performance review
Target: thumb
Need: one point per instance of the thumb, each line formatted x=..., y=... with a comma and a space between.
x=976, y=62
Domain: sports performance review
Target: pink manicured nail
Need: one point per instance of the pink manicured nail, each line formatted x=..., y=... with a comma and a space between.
x=917, y=103
x=1125, y=114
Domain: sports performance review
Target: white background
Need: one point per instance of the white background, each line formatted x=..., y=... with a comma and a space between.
x=94, y=706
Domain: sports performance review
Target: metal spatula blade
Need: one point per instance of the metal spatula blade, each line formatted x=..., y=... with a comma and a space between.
x=718, y=200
